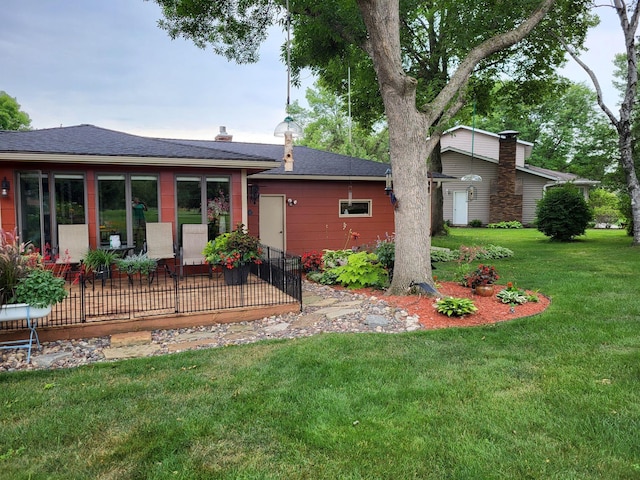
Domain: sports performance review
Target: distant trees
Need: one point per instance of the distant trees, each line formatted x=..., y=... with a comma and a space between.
x=327, y=126
x=11, y=117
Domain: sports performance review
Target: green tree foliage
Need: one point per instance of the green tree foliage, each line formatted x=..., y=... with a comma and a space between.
x=327, y=127
x=11, y=117
x=563, y=121
x=563, y=213
x=605, y=206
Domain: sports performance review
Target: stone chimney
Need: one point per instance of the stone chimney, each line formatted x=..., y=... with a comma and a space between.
x=505, y=199
x=223, y=136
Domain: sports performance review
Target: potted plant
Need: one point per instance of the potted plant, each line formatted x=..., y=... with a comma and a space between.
x=27, y=289
x=481, y=280
x=234, y=252
x=99, y=261
x=139, y=264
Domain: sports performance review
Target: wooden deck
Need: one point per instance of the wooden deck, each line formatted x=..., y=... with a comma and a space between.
x=120, y=305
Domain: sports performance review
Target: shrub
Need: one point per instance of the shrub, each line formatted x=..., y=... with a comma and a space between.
x=442, y=255
x=475, y=223
x=515, y=296
x=455, y=307
x=386, y=252
x=563, y=213
x=510, y=224
x=335, y=258
x=362, y=270
x=483, y=275
x=494, y=252
x=311, y=261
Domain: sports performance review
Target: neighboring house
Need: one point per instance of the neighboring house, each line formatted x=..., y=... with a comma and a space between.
x=510, y=188
x=86, y=174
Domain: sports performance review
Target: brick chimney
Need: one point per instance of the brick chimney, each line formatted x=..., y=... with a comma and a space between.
x=223, y=136
x=505, y=203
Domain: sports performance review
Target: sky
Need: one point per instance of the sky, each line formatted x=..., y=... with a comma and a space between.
x=107, y=63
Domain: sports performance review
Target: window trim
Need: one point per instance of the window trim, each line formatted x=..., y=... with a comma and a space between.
x=369, y=203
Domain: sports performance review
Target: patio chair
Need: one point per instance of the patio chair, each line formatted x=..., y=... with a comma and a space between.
x=73, y=243
x=160, y=240
x=194, y=239
x=159, y=243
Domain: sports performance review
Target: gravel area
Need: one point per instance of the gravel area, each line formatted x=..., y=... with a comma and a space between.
x=325, y=309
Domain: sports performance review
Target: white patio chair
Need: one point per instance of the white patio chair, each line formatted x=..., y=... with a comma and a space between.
x=73, y=243
x=160, y=241
x=194, y=239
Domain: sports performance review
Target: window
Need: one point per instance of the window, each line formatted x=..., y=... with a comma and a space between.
x=214, y=193
x=125, y=204
x=355, y=208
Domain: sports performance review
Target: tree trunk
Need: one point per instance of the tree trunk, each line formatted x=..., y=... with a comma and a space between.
x=407, y=146
x=437, y=199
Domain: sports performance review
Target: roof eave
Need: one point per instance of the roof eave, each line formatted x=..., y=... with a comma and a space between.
x=133, y=160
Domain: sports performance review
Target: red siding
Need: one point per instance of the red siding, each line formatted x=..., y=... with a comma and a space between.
x=314, y=222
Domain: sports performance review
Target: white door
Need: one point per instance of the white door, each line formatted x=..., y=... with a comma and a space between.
x=272, y=221
x=460, y=208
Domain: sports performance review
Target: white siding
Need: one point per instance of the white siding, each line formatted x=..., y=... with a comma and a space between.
x=457, y=165
x=532, y=191
x=484, y=144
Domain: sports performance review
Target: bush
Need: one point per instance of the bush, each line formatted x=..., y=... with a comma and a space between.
x=386, y=252
x=605, y=206
x=455, y=307
x=563, y=213
x=311, y=261
x=475, y=223
x=362, y=270
x=511, y=224
x=494, y=252
x=335, y=258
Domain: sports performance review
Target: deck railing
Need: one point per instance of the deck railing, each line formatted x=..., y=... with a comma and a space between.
x=173, y=290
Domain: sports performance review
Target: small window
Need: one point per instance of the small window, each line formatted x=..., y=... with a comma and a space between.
x=355, y=208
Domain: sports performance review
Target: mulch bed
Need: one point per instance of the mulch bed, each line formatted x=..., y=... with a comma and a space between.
x=490, y=309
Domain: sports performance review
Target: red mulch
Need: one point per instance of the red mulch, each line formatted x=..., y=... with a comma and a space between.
x=490, y=309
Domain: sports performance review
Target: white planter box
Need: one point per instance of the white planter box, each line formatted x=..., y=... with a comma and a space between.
x=19, y=311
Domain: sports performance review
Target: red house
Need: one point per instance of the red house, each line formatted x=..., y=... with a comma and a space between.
x=90, y=175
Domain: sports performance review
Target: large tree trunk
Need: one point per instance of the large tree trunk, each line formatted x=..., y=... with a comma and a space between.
x=408, y=128
x=407, y=146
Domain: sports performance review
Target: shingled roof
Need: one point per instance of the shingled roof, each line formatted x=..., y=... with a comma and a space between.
x=308, y=162
x=88, y=140
x=82, y=143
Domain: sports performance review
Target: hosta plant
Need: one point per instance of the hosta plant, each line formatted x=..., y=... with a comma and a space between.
x=455, y=307
x=515, y=296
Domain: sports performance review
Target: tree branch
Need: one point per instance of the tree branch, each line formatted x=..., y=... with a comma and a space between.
x=482, y=51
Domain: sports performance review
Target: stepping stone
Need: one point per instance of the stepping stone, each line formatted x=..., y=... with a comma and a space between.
x=178, y=347
x=239, y=328
x=325, y=302
x=278, y=327
x=134, y=351
x=49, y=359
x=310, y=299
x=238, y=336
x=335, y=312
x=307, y=321
x=196, y=337
x=130, y=338
x=376, y=321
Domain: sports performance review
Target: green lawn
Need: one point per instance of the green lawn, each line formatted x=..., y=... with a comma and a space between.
x=553, y=396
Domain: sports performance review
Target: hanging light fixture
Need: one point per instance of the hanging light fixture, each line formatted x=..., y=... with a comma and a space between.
x=472, y=177
x=288, y=128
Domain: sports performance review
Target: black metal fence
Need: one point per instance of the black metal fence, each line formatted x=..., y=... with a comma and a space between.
x=174, y=290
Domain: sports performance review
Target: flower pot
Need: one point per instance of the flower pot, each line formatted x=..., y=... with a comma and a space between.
x=20, y=311
x=484, y=290
x=236, y=276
